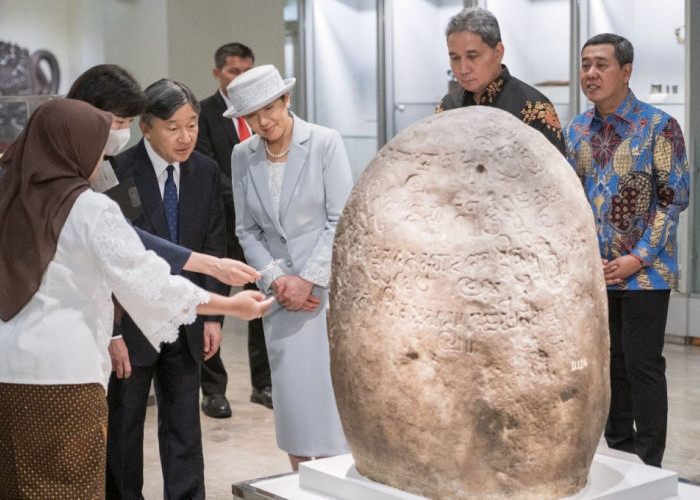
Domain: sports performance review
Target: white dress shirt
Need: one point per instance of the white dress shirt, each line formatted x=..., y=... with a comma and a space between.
x=161, y=168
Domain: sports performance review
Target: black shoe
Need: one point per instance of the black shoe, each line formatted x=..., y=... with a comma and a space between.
x=262, y=396
x=216, y=406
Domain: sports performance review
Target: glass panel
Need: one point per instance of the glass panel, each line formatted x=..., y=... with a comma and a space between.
x=342, y=74
x=420, y=63
x=14, y=113
x=659, y=59
x=291, y=11
x=535, y=34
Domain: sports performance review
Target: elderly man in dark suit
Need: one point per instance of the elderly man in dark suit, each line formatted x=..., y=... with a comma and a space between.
x=217, y=137
x=180, y=192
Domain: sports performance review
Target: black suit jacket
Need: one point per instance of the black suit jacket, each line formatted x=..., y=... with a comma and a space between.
x=216, y=139
x=201, y=229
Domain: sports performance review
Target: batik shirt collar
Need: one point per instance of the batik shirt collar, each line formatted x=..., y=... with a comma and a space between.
x=492, y=90
x=622, y=112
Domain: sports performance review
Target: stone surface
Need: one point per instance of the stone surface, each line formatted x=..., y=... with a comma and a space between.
x=468, y=316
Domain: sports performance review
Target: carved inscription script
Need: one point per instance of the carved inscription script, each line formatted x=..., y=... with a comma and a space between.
x=467, y=308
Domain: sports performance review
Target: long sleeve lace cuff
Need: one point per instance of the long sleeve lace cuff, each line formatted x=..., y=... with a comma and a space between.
x=157, y=301
x=269, y=274
x=318, y=275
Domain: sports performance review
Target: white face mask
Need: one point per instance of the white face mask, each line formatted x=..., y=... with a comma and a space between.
x=116, y=140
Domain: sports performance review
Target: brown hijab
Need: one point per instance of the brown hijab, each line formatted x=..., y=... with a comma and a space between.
x=41, y=175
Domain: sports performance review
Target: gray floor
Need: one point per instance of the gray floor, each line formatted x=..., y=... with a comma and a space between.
x=243, y=447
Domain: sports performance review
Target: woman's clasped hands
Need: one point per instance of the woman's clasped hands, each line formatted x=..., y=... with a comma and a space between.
x=294, y=293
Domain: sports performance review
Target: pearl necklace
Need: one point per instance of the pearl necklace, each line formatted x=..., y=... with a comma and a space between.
x=273, y=155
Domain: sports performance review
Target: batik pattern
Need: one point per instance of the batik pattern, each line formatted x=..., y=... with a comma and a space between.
x=517, y=98
x=634, y=170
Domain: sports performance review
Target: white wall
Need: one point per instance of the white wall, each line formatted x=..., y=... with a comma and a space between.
x=195, y=29
x=150, y=38
x=135, y=37
x=63, y=27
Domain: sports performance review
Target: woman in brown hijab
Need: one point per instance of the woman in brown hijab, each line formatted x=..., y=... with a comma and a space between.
x=63, y=251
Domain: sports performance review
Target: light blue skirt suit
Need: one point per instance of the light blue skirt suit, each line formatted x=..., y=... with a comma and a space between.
x=316, y=184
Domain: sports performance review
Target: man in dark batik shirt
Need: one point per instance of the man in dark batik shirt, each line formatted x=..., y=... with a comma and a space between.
x=476, y=51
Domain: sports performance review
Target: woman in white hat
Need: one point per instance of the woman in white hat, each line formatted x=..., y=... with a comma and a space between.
x=290, y=184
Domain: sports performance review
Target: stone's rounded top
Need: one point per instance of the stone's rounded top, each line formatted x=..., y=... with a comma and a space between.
x=444, y=167
x=455, y=124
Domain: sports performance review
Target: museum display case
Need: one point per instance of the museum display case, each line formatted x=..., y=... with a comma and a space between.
x=14, y=113
x=349, y=46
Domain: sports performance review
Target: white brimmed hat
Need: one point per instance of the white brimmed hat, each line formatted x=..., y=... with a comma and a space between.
x=256, y=88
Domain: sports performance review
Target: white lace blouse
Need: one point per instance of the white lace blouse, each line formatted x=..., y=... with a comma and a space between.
x=62, y=335
x=276, y=173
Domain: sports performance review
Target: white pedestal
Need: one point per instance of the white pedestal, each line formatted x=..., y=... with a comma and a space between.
x=337, y=477
x=609, y=478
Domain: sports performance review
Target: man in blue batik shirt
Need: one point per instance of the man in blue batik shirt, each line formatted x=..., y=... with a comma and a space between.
x=631, y=159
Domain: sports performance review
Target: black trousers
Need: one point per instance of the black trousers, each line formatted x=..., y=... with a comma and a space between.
x=257, y=355
x=638, y=400
x=214, y=376
x=257, y=351
x=175, y=378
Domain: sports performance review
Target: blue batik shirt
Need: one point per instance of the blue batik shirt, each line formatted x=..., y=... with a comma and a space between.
x=634, y=170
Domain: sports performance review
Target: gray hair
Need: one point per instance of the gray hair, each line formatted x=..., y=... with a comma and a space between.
x=478, y=21
x=164, y=97
x=624, y=52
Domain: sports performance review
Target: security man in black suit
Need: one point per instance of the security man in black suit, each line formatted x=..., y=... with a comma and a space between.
x=217, y=137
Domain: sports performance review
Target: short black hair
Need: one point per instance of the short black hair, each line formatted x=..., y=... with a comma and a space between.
x=110, y=88
x=234, y=49
x=624, y=52
x=164, y=97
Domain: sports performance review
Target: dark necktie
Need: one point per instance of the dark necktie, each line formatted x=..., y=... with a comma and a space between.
x=170, y=203
x=243, y=132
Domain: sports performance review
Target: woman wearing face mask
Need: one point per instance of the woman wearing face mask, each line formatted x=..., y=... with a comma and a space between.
x=111, y=88
x=66, y=250
x=290, y=184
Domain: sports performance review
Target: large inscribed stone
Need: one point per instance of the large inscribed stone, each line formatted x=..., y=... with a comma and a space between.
x=468, y=314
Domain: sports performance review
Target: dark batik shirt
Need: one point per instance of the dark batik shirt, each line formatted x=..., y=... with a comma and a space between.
x=519, y=99
x=634, y=169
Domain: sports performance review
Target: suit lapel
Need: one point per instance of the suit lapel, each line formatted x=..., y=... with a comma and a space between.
x=296, y=162
x=149, y=192
x=261, y=182
x=226, y=123
x=187, y=204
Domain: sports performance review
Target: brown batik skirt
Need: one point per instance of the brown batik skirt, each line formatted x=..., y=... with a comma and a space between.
x=52, y=441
